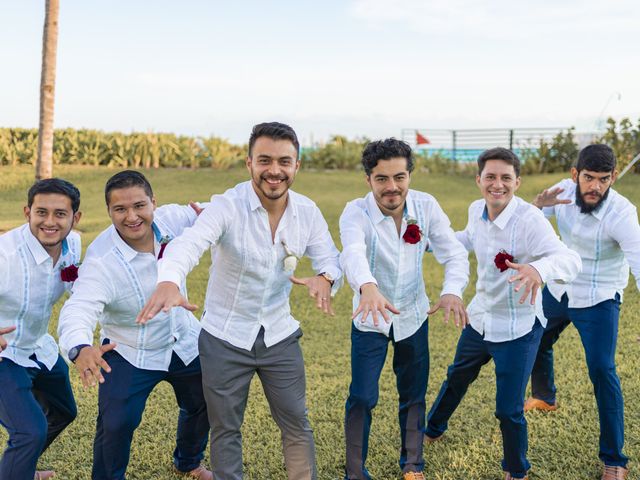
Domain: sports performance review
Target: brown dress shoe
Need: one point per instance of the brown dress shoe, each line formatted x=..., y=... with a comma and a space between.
x=44, y=475
x=507, y=476
x=428, y=439
x=614, y=473
x=541, y=405
x=413, y=476
x=199, y=473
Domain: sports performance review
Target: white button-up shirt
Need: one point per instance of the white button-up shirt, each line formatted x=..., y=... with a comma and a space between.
x=521, y=231
x=373, y=252
x=30, y=284
x=114, y=283
x=248, y=285
x=607, y=240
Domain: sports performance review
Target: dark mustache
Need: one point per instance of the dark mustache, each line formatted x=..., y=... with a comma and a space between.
x=274, y=177
x=598, y=194
x=396, y=192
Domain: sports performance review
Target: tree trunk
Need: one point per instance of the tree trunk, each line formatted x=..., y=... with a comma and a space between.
x=44, y=168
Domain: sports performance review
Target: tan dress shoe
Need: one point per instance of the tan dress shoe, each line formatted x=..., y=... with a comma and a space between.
x=428, y=439
x=541, y=405
x=44, y=475
x=507, y=476
x=614, y=473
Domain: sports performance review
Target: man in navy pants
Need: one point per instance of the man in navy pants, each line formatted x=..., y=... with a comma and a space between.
x=37, y=264
x=602, y=226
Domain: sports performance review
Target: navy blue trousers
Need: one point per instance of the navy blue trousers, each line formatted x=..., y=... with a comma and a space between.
x=35, y=406
x=121, y=401
x=598, y=329
x=513, y=363
x=411, y=366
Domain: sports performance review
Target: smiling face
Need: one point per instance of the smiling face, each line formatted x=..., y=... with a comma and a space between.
x=131, y=211
x=592, y=188
x=498, y=183
x=389, y=181
x=51, y=218
x=273, y=165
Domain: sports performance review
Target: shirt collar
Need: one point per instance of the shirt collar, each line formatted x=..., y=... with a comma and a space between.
x=599, y=213
x=503, y=219
x=254, y=200
x=127, y=252
x=40, y=255
x=409, y=208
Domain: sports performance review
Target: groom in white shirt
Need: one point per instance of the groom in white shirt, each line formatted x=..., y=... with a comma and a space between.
x=517, y=250
x=38, y=262
x=384, y=236
x=602, y=226
x=117, y=276
x=257, y=230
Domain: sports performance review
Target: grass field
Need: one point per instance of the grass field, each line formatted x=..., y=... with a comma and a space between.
x=562, y=445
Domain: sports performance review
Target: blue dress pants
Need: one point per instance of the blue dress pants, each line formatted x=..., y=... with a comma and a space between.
x=598, y=329
x=121, y=401
x=513, y=363
x=411, y=366
x=35, y=406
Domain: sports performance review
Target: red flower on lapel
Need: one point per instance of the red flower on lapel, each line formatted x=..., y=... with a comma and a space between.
x=69, y=274
x=501, y=260
x=412, y=234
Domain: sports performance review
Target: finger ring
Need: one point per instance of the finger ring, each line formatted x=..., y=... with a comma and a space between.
x=324, y=299
x=87, y=370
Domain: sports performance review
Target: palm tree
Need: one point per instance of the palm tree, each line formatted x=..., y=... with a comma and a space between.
x=44, y=163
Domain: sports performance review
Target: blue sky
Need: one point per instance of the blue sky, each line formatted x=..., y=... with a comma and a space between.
x=353, y=67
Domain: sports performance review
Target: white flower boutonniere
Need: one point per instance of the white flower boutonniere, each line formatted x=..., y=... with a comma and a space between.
x=290, y=260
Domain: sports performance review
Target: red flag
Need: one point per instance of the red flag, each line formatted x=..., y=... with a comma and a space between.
x=421, y=139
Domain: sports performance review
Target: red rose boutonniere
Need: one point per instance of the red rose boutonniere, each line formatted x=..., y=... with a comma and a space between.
x=412, y=234
x=69, y=274
x=164, y=241
x=501, y=260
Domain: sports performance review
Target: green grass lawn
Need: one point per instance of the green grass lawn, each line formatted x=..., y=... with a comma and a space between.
x=562, y=445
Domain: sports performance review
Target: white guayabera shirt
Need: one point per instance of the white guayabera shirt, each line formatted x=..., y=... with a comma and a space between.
x=607, y=240
x=248, y=285
x=522, y=231
x=374, y=253
x=30, y=284
x=114, y=283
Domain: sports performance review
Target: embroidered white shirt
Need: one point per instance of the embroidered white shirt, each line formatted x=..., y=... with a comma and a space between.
x=248, y=286
x=607, y=240
x=30, y=284
x=521, y=231
x=114, y=283
x=374, y=252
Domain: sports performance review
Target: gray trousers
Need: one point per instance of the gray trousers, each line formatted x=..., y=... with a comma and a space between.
x=226, y=376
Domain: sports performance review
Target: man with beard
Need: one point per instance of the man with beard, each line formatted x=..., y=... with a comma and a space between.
x=38, y=262
x=256, y=230
x=384, y=236
x=117, y=276
x=602, y=226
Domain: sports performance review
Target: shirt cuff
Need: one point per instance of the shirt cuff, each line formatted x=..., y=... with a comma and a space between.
x=73, y=340
x=452, y=290
x=542, y=269
x=172, y=277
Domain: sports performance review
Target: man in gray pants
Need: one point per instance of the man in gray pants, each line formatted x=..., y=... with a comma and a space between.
x=257, y=231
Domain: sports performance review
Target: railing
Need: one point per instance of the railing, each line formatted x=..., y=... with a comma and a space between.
x=466, y=145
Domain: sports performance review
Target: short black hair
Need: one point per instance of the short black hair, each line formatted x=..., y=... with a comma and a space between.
x=55, y=185
x=385, y=150
x=499, y=153
x=596, y=158
x=274, y=131
x=127, y=179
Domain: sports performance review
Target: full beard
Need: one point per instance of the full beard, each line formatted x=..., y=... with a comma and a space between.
x=588, y=207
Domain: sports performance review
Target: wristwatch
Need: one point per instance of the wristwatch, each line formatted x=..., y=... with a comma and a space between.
x=327, y=277
x=75, y=351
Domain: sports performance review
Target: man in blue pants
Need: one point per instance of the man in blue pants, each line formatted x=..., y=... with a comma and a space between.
x=384, y=236
x=37, y=264
x=602, y=226
x=505, y=232
x=119, y=272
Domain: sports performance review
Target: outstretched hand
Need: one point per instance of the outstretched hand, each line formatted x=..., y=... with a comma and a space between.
x=527, y=277
x=166, y=296
x=90, y=362
x=450, y=303
x=549, y=198
x=3, y=342
x=319, y=289
x=196, y=208
x=374, y=303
